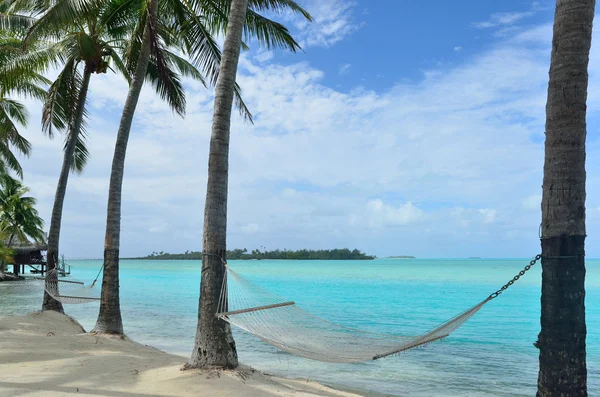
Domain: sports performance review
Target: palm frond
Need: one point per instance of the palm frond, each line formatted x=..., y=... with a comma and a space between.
x=269, y=33
x=8, y=156
x=14, y=110
x=184, y=67
x=62, y=14
x=120, y=65
x=15, y=22
x=81, y=154
x=61, y=99
x=166, y=82
x=241, y=105
x=279, y=6
x=134, y=44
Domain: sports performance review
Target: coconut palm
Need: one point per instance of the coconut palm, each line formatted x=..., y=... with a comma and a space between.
x=85, y=47
x=90, y=44
x=562, y=340
x=193, y=23
x=18, y=217
x=13, y=112
x=214, y=345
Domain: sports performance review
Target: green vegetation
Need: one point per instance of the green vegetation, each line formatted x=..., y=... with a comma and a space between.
x=19, y=220
x=18, y=217
x=304, y=254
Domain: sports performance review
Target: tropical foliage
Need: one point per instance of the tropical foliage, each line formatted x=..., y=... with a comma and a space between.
x=13, y=113
x=19, y=220
x=189, y=27
x=304, y=254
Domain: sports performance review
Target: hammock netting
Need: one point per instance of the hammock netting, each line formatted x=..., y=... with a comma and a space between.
x=68, y=291
x=286, y=326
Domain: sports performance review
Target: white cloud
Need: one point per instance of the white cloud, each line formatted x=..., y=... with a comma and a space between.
x=450, y=157
x=381, y=214
x=488, y=215
x=458, y=48
x=344, y=69
x=502, y=19
x=333, y=20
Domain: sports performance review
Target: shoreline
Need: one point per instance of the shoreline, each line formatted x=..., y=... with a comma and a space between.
x=50, y=354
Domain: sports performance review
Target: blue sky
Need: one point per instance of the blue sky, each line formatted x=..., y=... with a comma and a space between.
x=404, y=128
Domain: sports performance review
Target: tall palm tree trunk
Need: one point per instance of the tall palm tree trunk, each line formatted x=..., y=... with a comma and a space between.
x=49, y=303
x=109, y=317
x=214, y=345
x=562, y=340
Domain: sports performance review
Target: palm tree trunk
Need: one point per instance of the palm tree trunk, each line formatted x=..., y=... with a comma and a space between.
x=50, y=303
x=109, y=318
x=214, y=345
x=562, y=340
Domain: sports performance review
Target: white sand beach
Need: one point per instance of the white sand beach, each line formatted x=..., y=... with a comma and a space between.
x=49, y=355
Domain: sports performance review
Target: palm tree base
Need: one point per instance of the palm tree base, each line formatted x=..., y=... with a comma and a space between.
x=215, y=355
x=562, y=341
x=49, y=303
x=52, y=304
x=109, y=319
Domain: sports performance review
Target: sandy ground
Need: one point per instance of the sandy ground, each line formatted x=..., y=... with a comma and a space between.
x=49, y=355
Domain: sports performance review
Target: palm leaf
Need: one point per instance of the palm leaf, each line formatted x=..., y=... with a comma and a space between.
x=6, y=154
x=61, y=99
x=81, y=154
x=268, y=32
x=279, y=6
x=14, y=110
x=63, y=13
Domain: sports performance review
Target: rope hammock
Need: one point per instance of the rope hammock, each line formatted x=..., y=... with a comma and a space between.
x=69, y=291
x=284, y=325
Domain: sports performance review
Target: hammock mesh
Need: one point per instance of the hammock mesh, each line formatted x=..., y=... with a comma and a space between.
x=68, y=291
x=296, y=331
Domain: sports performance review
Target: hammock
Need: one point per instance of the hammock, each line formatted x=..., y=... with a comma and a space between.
x=68, y=291
x=284, y=325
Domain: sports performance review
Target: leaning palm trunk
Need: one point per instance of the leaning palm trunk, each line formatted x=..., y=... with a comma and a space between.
x=214, y=345
x=50, y=303
x=562, y=340
x=109, y=318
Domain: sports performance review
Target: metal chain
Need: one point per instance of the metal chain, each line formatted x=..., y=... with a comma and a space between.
x=518, y=276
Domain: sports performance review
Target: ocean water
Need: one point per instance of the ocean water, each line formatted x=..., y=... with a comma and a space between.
x=491, y=355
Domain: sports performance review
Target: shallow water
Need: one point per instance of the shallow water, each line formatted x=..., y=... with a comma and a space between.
x=491, y=355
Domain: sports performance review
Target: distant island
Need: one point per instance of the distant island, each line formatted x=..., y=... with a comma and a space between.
x=304, y=254
x=401, y=257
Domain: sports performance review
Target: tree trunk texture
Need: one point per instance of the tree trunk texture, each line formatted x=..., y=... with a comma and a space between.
x=562, y=339
x=109, y=318
x=50, y=303
x=214, y=345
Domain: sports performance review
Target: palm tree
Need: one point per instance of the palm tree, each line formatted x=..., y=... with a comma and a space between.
x=191, y=24
x=92, y=42
x=18, y=217
x=562, y=340
x=214, y=345
x=13, y=112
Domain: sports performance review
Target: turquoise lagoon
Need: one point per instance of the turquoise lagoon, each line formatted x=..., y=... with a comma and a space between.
x=491, y=355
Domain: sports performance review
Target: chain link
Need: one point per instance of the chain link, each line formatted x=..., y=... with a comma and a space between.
x=518, y=276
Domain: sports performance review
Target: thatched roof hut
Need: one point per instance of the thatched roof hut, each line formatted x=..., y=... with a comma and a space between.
x=26, y=252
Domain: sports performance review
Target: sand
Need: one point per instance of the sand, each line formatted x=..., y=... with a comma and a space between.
x=49, y=355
